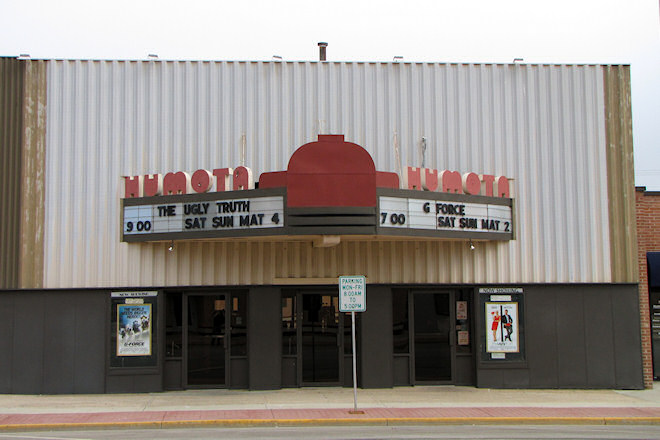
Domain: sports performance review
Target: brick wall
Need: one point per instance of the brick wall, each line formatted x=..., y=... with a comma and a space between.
x=647, y=205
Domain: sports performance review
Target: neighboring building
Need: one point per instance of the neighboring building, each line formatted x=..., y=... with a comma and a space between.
x=490, y=208
x=648, y=248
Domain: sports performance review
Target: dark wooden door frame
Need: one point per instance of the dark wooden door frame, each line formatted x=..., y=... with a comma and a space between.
x=340, y=336
x=226, y=339
x=452, y=334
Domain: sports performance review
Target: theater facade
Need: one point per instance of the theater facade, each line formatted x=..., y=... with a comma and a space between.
x=172, y=225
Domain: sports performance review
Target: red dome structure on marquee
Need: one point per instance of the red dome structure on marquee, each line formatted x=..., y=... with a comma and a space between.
x=330, y=173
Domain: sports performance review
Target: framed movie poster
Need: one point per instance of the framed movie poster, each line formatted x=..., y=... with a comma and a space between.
x=502, y=327
x=502, y=331
x=133, y=329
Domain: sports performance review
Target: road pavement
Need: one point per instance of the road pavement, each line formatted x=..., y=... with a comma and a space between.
x=399, y=406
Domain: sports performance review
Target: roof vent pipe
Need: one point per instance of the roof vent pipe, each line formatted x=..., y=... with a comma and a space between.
x=322, y=47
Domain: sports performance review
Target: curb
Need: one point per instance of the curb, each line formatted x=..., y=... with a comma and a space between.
x=391, y=421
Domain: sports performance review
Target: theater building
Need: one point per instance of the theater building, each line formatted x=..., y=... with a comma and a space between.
x=172, y=225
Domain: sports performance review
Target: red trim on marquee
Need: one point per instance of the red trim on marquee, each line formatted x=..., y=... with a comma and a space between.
x=326, y=173
x=331, y=172
x=385, y=179
x=276, y=179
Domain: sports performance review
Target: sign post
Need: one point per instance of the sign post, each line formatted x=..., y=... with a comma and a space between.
x=353, y=298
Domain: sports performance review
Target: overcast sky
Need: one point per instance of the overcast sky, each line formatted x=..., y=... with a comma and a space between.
x=561, y=31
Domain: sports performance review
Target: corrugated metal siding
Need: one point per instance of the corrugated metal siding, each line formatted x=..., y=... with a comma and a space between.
x=11, y=105
x=22, y=165
x=620, y=169
x=33, y=176
x=543, y=126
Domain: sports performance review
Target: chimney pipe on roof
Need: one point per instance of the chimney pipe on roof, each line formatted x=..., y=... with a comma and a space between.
x=322, y=47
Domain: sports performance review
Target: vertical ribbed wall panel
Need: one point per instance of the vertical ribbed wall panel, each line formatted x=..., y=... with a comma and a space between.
x=12, y=74
x=542, y=126
x=33, y=166
x=620, y=167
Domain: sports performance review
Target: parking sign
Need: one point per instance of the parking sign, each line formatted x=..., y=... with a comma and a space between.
x=353, y=294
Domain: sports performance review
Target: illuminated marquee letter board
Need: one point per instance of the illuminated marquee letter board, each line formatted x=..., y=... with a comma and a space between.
x=263, y=212
x=424, y=213
x=208, y=215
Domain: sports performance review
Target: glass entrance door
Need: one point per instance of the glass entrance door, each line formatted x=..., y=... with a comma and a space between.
x=432, y=318
x=321, y=341
x=207, y=340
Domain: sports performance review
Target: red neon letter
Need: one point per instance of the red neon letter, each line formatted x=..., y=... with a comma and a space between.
x=201, y=181
x=430, y=179
x=243, y=178
x=502, y=186
x=132, y=186
x=451, y=182
x=412, y=178
x=222, y=178
x=471, y=184
x=488, y=180
x=176, y=183
x=153, y=186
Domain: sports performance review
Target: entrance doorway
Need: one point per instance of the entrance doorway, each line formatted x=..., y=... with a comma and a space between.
x=432, y=336
x=321, y=338
x=207, y=341
x=314, y=339
x=424, y=326
x=216, y=338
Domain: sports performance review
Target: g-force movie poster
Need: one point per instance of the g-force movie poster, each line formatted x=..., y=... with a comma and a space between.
x=133, y=330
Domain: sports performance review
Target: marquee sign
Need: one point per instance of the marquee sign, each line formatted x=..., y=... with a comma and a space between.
x=330, y=187
x=444, y=215
x=189, y=216
x=253, y=212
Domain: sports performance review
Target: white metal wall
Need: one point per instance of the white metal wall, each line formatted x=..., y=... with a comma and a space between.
x=541, y=125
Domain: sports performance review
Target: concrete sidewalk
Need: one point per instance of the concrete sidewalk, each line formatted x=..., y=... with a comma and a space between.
x=316, y=406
